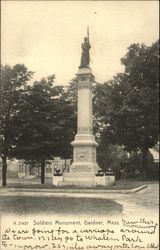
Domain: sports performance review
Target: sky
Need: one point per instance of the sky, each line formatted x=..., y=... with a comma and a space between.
x=46, y=35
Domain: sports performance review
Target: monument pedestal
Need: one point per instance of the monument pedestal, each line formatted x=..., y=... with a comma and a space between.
x=83, y=179
x=84, y=154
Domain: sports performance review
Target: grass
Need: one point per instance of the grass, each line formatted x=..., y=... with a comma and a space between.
x=58, y=206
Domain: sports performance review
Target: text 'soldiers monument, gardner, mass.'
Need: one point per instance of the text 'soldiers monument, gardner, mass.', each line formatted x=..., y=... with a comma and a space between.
x=84, y=166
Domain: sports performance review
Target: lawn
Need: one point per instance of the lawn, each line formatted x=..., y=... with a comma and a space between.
x=58, y=206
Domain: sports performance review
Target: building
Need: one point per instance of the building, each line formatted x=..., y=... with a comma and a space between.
x=26, y=170
x=155, y=153
x=20, y=169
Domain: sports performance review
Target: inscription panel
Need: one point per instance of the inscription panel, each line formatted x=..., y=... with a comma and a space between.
x=82, y=168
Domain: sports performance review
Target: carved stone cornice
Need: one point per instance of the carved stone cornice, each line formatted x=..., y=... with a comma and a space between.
x=85, y=74
x=84, y=85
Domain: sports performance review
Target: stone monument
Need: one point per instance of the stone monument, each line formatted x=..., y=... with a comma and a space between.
x=84, y=167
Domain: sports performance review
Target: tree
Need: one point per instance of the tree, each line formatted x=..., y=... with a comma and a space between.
x=129, y=109
x=38, y=124
x=72, y=93
x=101, y=109
x=111, y=156
x=46, y=124
x=13, y=82
x=67, y=115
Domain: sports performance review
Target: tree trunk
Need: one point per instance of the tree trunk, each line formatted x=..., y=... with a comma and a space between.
x=144, y=162
x=4, y=170
x=42, y=172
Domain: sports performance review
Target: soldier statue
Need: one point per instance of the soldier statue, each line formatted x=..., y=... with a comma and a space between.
x=85, y=57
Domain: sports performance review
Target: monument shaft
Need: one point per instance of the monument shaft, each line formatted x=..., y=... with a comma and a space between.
x=84, y=109
x=84, y=145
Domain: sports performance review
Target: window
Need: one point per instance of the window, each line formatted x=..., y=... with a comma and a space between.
x=48, y=169
x=21, y=168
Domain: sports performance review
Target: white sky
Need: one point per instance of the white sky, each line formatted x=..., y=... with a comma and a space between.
x=46, y=35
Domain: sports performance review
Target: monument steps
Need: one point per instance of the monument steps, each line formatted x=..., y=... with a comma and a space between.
x=79, y=177
x=79, y=183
